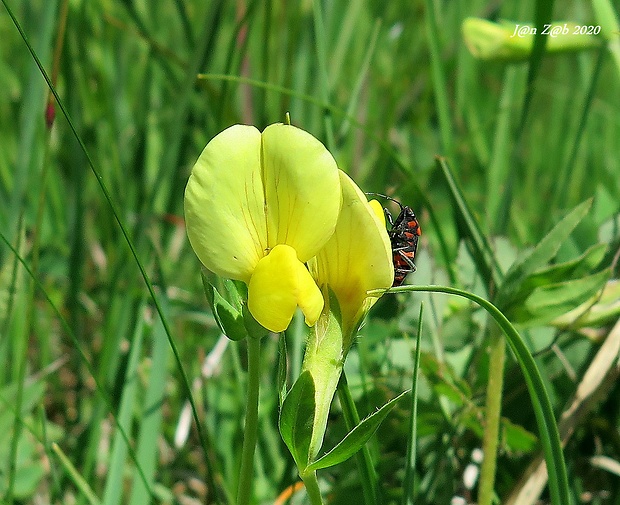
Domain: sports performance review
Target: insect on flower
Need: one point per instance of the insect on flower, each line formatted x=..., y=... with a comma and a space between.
x=404, y=233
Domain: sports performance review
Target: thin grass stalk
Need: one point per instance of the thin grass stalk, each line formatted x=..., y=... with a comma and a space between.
x=409, y=485
x=566, y=173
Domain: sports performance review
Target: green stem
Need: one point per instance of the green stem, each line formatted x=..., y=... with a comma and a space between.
x=251, y=423
x=493, y=407
x=312, y=488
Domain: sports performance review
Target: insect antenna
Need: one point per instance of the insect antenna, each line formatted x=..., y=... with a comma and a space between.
x=387, y=198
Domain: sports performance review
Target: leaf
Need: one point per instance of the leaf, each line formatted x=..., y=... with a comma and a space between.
x=517, y=438
x=541, y=254
x=550, y=301
x=297, y=419
x=356, y=438
x=596, y=312
x=578, y=267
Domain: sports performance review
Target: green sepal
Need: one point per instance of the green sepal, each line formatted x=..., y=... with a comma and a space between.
x=226, y=311
x=252, y=326
x=297, y=419
x=356, y=438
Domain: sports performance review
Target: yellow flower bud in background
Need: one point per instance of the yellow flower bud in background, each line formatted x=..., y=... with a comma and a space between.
x=510, y=41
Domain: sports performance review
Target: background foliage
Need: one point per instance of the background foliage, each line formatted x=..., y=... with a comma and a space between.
x=91, y=396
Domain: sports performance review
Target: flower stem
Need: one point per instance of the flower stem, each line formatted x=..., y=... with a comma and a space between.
x=490, y=440
x=251, y=423
x=312, y=488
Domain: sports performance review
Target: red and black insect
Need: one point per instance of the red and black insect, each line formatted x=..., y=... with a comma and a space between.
x=404, y=233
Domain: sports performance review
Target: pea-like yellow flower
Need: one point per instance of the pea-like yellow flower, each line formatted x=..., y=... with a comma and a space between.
x=258, y=206
x=357, y=259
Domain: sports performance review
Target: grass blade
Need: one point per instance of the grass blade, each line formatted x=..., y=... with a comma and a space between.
x=409, y=488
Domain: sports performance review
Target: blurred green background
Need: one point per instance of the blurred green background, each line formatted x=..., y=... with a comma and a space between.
x=387, y=86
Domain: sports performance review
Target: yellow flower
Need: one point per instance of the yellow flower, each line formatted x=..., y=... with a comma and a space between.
x=257, y=207
x=356, y=260
x=358, y=257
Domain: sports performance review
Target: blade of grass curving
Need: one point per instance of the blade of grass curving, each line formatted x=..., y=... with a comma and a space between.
x=547, y=425
x=363, y=458
x=89, y=367
x=185, y=381
x=321, y=53
x=408, y=485
x=481, y=249
x=439, y=81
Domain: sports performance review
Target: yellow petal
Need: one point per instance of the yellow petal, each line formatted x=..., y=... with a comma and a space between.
x=378, y=210
x=281, y=283
x=224, y=204
x=357, y=259
x=302, y=190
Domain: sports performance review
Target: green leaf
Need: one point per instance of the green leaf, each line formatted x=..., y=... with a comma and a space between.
x=356, y=438
x=517, y=438
x=297, y=419
x=550, y=301
x=600, y=310
x=578, y=267
x=560, y=272
x=541, y=254
x=228, y=318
